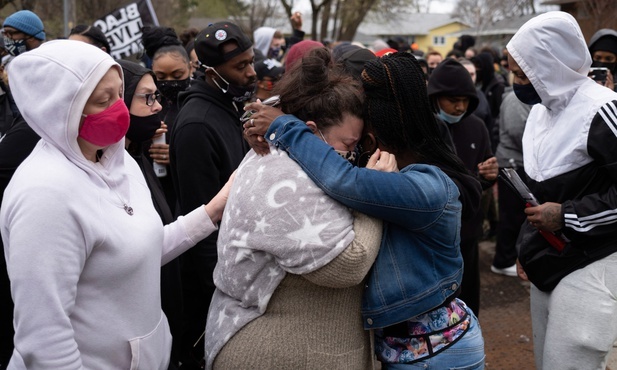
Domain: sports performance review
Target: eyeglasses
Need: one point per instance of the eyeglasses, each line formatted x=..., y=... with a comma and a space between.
x=151, y=98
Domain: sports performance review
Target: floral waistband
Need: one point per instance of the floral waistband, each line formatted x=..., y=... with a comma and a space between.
x=423, y=336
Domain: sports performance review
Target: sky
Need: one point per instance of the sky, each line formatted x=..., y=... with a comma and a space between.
x=437, y=6
x=442, y=6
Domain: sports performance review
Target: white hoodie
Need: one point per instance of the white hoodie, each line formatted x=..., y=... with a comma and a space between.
x=570, y=139
x=551, y=50
x=263, y=38
x=84, y=273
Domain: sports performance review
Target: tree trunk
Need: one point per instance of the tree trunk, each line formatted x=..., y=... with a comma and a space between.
x=353, y=14
x=325, y=18
x=288, y=8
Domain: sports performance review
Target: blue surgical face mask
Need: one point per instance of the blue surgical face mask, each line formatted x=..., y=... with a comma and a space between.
x=448, y=118
x=526, y=93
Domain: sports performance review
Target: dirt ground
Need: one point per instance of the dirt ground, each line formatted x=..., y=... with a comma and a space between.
x=504, y=317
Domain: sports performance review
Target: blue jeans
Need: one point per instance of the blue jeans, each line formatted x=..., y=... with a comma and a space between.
x=466, y=354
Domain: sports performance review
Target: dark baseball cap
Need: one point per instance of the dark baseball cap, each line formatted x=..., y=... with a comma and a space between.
x=208, y=43
x=269, y=68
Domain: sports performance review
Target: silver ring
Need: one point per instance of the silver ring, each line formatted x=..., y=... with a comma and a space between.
x=164, y=156
x=252, y=122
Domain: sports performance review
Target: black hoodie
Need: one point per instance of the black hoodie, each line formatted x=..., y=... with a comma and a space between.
x=605, y=40
x=492, y=87
x=469, y=135
x=206, y=145
x=450, y=78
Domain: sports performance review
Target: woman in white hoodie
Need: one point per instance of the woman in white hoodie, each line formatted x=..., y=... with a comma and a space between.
x=83, y=242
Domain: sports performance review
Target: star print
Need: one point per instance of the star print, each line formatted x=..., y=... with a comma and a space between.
x=236, y=319
x=302, y=175
x=263, y=301
x=273, y=273
x=222, y=317
x=309, y=233
x=261, y=225
x=227, y=217
x=261, y=169
x=244, y=253
x=241, y=242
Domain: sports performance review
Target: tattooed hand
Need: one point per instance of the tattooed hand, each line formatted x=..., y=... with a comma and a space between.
x=546, y=216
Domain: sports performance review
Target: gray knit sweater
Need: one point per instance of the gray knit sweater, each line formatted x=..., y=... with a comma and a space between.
x=313, y=321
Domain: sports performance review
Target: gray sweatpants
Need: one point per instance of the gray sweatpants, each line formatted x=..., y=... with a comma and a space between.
x=575, y=325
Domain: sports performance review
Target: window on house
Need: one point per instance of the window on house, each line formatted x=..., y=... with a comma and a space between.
x=439, y=40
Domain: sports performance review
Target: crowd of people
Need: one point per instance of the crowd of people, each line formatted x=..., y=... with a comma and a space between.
x=238, y=202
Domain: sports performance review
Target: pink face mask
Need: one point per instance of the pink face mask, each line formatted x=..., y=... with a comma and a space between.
x=106, y=127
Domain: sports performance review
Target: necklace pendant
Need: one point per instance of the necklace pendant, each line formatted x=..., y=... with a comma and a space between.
x=128, y=209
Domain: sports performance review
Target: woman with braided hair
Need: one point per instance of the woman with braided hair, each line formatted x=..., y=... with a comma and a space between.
x=410, y=299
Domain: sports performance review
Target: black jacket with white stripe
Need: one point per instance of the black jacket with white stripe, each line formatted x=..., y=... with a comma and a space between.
x=588, y=193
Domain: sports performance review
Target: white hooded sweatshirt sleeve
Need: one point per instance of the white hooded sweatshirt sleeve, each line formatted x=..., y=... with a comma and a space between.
x=84, y=272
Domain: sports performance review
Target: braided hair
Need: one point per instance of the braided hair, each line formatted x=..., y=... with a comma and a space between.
x=317, y=90
x=398, y=111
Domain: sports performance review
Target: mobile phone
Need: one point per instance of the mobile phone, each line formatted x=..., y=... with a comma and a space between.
x=598, y=74
x=272, y=101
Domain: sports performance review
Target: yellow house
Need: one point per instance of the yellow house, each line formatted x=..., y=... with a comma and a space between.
x=429, y=30
x=440, y=38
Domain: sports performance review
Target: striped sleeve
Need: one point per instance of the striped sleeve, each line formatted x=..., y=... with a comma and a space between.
x=594, y=213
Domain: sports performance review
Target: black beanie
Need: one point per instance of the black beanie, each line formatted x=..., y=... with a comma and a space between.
x=451, y=78
x=605, y=43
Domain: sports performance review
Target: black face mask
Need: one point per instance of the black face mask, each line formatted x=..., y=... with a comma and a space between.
x=171, y=88
x=610, y=66
x=143, y=128
x=526, y=93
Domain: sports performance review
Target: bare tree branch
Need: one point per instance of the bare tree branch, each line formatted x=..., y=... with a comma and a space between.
x=480, y=14
x=600, y=11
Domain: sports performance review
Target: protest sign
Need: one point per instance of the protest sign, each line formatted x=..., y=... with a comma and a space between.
x=123, y=27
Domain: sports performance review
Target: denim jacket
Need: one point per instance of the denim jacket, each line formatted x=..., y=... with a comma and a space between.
x=419, y=265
